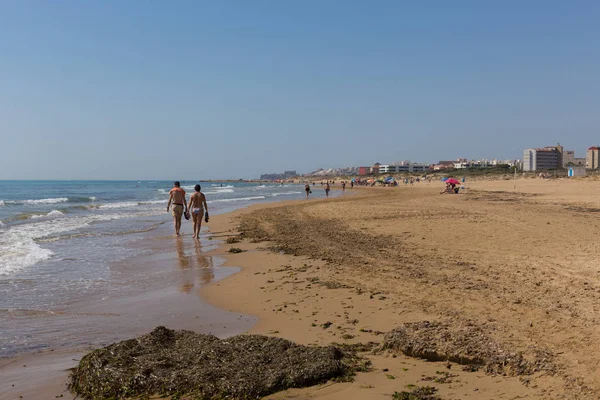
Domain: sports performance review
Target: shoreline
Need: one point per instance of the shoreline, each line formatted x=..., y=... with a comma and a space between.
x=303, y=293
x=49, y=367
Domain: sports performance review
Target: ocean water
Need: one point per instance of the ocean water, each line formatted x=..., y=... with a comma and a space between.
x=58, y=239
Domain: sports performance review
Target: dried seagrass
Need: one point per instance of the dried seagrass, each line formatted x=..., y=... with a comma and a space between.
x=175, y=363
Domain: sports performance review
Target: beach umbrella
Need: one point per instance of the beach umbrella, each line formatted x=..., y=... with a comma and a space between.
x=452, y=181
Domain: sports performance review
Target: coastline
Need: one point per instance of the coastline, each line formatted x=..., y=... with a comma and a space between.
x=315, y=299
x=181, y=271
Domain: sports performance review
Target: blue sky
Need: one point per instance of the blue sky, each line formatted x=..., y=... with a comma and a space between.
x=233, y=89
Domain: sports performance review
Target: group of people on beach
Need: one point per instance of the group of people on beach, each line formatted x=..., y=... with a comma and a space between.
x=181, y=208
x=327, y=186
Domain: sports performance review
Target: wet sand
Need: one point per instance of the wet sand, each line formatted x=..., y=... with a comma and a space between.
x=163, y=289
x=523, y=263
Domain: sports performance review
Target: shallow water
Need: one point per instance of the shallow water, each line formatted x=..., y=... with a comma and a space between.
x=61, y=243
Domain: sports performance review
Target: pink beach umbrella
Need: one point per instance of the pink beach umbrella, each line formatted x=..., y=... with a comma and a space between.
x=452, y=181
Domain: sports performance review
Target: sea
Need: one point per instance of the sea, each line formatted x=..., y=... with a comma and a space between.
x=59, y=239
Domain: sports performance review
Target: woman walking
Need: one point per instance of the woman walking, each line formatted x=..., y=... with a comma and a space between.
x=198, y=206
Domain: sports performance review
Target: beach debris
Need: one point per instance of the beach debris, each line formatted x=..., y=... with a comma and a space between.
x=417, y=393
x=440, y=377
x=175, y=363
x=466, y=343
x=232, y=240
x=235, y=250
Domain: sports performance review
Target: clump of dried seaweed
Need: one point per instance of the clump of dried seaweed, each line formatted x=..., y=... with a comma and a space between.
x=417, y=393
x=175, y=363
x=468, y=344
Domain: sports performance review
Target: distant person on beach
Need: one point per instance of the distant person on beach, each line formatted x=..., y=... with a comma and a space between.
x=307, y=189
x=327, y=189
x=177, y=198
x=343, y=186
x=198, y=206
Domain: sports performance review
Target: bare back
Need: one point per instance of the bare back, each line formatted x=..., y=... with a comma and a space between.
x=198, y=200
x=177, y=196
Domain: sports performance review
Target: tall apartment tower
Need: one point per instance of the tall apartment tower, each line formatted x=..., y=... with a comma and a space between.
x=549, y=157
x=591, y=159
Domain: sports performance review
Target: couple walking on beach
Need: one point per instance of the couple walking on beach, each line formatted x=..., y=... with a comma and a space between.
x=180, y=208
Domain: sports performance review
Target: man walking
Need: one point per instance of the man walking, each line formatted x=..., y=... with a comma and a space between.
x=177, y=197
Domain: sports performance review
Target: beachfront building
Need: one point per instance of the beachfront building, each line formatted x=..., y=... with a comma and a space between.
x=549, y=157
x=568, y=158
x=444, y=165
x=390, y=169
x=574, y=171
x=364, y=170
x=592, y=159
x=386, y=169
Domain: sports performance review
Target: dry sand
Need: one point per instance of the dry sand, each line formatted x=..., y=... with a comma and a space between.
x=521, y=264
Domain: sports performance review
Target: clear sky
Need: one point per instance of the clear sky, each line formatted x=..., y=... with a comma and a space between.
x=232, y=89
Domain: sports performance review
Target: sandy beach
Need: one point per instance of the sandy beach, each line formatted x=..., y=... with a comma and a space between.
x=520, y=265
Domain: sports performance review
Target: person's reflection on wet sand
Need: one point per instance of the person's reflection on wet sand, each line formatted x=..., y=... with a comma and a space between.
x=205, y=264
x=184, y=265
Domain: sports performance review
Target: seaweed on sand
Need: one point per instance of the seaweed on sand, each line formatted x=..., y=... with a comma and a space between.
x=418, y=393
x=468, y=344
x=167, y=362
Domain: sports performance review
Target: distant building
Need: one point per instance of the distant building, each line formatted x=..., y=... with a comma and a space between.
x=390, y=169
x=277, y=177
x=592, y=159
x=568, y=158
x=574, y=171
x=549, y=157
x=364, y=170
x=375, y=168
x=386, y=169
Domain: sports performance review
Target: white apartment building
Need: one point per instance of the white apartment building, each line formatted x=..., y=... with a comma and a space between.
x=390, y=169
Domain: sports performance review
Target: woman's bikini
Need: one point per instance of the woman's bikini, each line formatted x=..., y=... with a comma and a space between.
x=197, y=210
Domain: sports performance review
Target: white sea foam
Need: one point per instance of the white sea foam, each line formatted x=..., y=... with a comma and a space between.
x=123, y=204
x=285, y=194
x=219, y=191
x=18, y=247
x=2, y=203
x=237, y=199
x=45, y=201
x=154, y=202
x=93, y=198
x=51, y=214
x=129, y=204
x=162, y=191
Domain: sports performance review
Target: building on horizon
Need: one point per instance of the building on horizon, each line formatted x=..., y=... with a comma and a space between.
x=549, y=157
x=568, y=158
x=278, y=177
x=592, y=157
x=404, y=167
x=364, y=170
x=375, y=168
